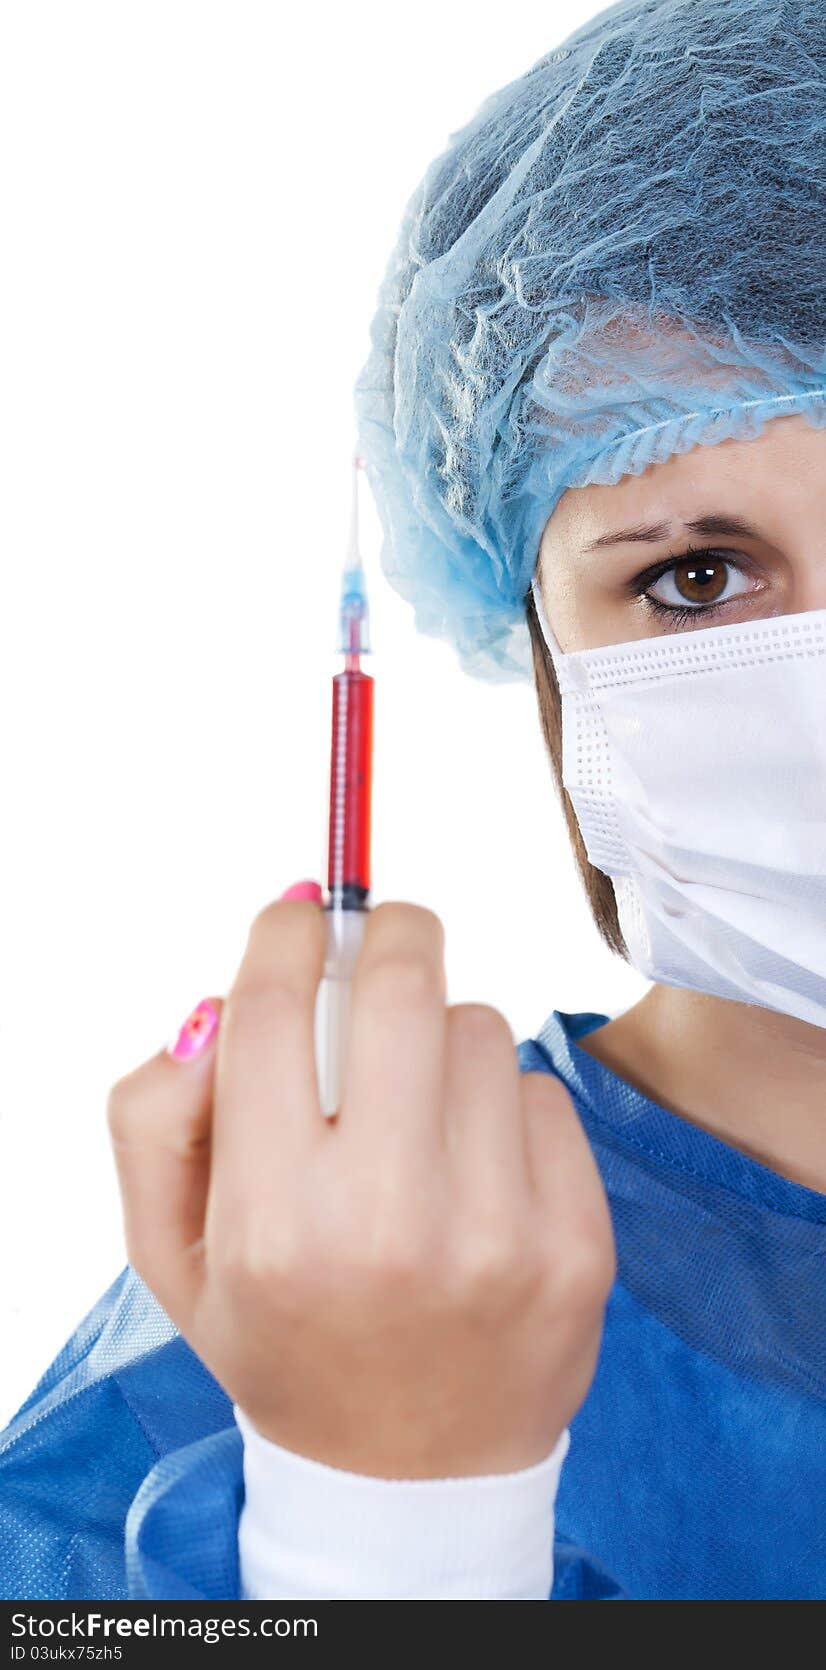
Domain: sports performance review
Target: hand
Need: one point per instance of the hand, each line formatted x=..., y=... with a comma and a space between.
x=412, y=1289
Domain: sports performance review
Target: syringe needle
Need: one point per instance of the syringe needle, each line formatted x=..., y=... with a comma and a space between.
x=353, y=638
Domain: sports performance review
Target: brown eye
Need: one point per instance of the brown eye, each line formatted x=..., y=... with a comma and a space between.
x=698, y=581
x=701, y=580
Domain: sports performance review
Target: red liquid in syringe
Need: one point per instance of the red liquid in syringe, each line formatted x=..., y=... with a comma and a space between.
x=351, y=773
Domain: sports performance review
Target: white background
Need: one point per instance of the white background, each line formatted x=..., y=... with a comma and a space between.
x=197, y=202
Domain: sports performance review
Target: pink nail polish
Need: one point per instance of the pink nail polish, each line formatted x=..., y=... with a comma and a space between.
x=304, y=890
x=196, y=1032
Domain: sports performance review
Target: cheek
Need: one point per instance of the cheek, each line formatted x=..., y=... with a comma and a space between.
x=594, y=606
x=581, y=615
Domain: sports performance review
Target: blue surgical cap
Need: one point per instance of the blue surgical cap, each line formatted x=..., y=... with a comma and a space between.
x=619, y=257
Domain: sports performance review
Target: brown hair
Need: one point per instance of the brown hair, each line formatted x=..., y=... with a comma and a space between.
x=597, y=885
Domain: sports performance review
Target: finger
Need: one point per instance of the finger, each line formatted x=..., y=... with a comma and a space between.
x=392, y=1100
x=160, y=1118
x=267, y=1109
x=485, y=1130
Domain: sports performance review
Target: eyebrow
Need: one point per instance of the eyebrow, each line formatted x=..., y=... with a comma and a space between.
x=656, y=531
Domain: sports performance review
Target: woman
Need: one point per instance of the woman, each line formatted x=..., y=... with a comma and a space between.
x=595, y=398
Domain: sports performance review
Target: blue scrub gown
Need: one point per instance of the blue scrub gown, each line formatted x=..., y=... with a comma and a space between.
x=697, y=1466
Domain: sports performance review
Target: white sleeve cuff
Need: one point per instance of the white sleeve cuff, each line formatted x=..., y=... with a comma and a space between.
x=312, y=1532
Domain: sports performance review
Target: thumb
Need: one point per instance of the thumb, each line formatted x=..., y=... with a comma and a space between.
x=160, y=1122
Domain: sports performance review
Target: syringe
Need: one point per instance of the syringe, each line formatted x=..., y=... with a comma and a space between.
x=348, y=847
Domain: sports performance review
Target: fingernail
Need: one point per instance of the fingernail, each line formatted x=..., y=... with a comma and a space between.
x=304, y=890
x=196, y=1032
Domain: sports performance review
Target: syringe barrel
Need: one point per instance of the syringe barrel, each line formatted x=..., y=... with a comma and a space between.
x=351, y=772
x=345, y=932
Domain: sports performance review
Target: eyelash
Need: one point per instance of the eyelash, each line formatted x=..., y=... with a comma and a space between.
x=680, y=616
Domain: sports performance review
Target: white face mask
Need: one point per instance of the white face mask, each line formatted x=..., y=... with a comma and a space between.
x=696, y=763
